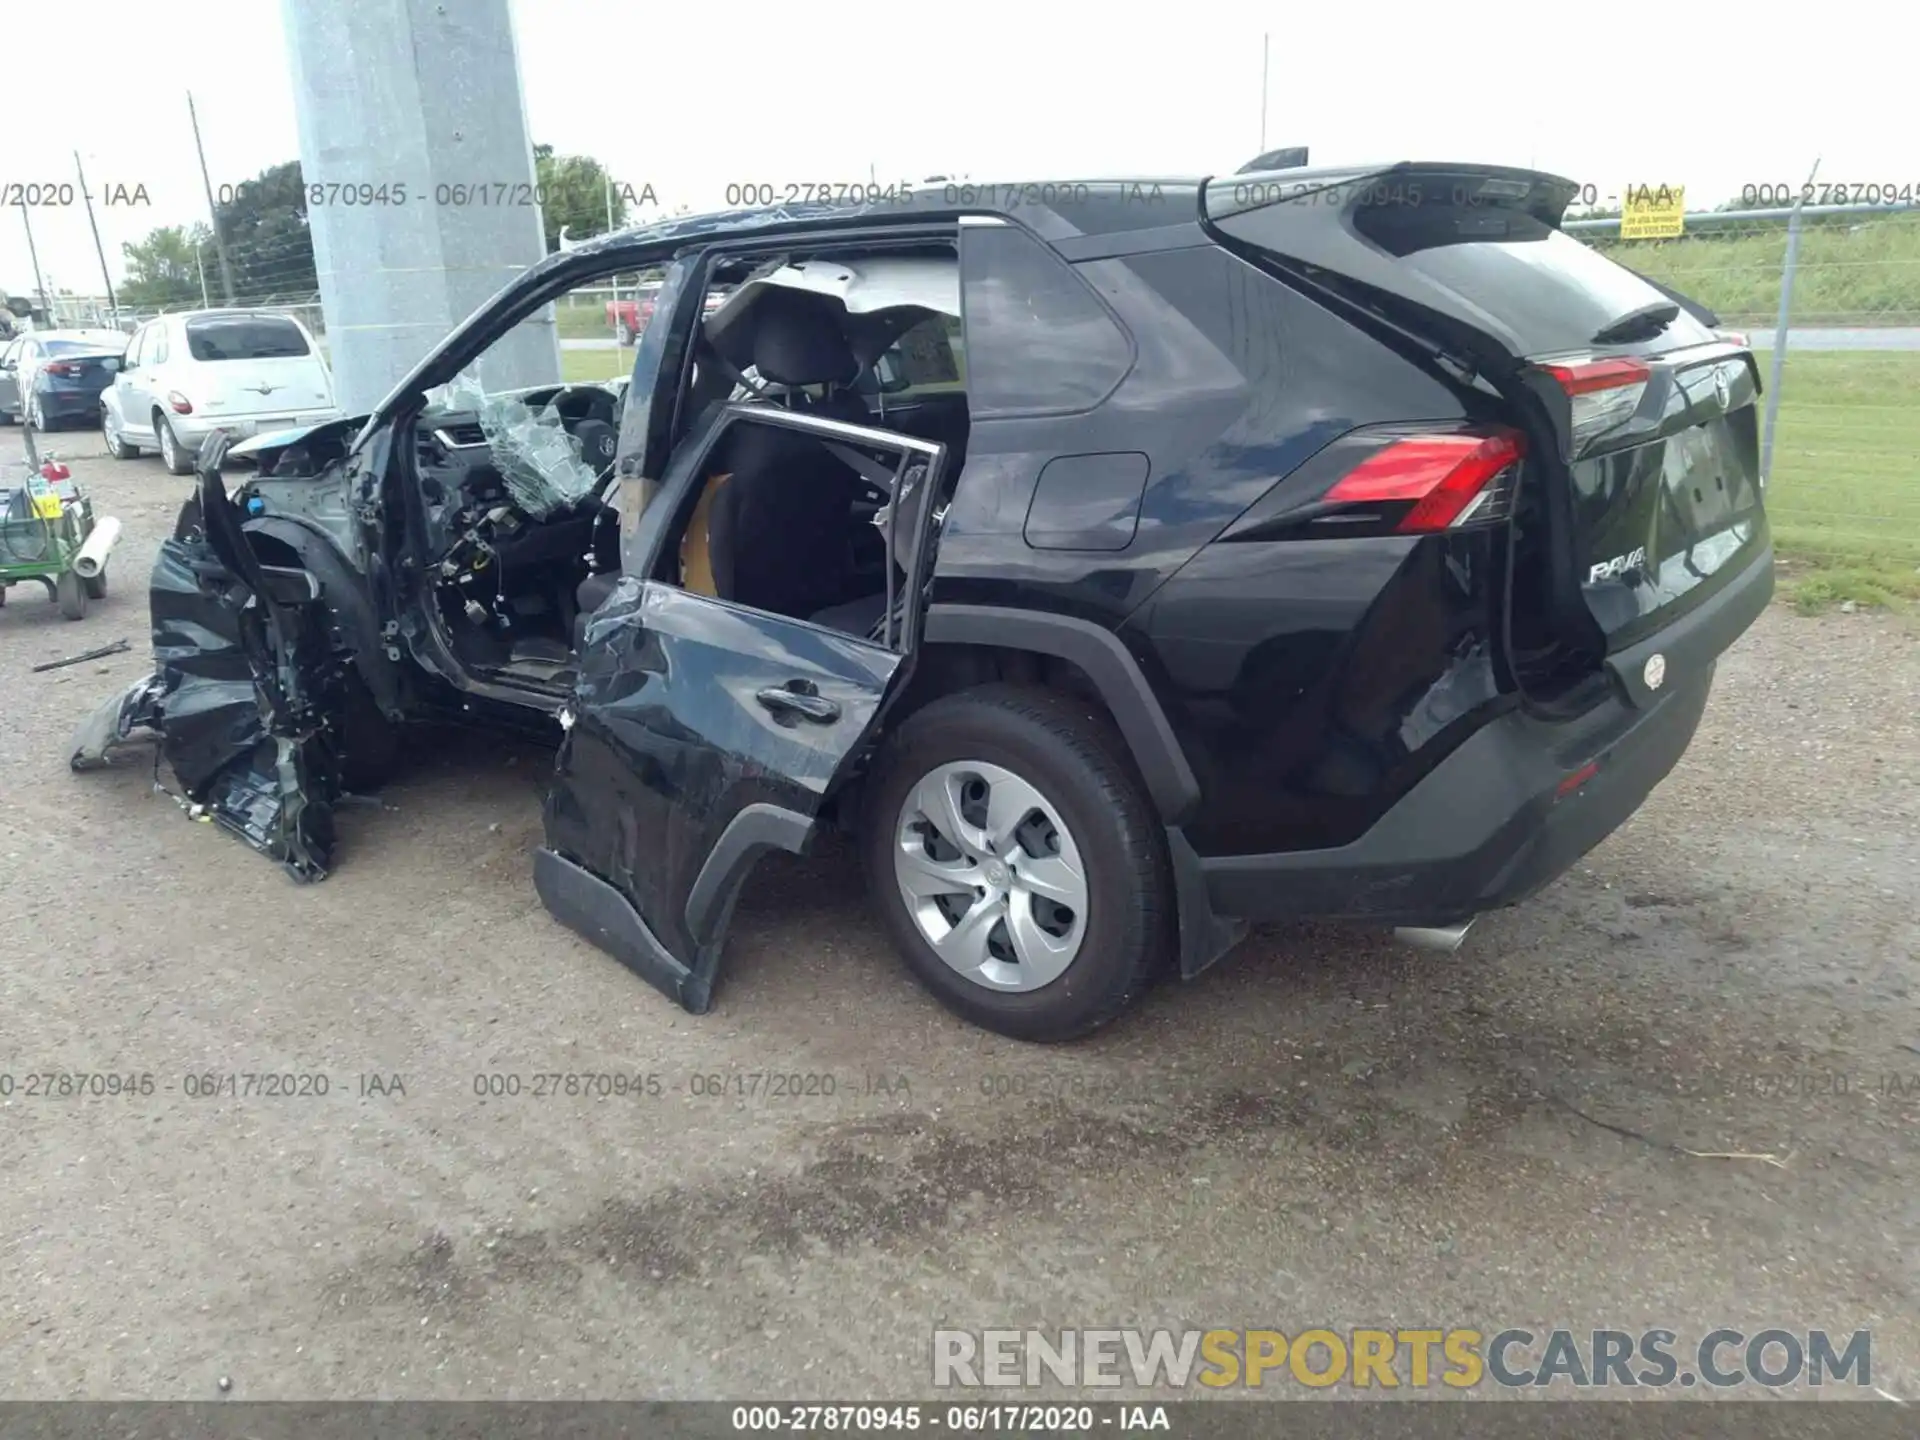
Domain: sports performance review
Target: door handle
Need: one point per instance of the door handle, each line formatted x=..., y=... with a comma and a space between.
x=791, y=699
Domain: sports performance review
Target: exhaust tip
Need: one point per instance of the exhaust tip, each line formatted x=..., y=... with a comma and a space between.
x=1444, y=939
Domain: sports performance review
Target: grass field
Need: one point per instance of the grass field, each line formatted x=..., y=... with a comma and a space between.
x=584, y=321
x=581, y=367
x=1845, y=493
x=1864, y=272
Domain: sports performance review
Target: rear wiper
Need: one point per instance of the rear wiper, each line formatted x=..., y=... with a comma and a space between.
x=1642, y=324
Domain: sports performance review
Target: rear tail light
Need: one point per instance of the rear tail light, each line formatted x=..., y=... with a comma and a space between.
x=1445, y=481
x=181, y=404
x=62, y=367
x=1604, y=394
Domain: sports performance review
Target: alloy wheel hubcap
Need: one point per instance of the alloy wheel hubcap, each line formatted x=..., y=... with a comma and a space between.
x=991, y=875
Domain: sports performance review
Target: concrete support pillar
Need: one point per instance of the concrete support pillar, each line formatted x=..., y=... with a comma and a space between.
x=421, y=97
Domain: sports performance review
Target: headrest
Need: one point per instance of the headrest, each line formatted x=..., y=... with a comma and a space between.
x=797, y=340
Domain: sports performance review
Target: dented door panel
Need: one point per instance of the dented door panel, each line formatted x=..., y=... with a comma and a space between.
x=701, y=735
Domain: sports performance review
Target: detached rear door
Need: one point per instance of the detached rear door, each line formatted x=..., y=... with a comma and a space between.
x=701, y=734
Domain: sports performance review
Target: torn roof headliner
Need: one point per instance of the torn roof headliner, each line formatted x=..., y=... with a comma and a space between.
x=862, y=286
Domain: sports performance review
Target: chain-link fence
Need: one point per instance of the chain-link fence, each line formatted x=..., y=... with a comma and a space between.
x=1829, y=296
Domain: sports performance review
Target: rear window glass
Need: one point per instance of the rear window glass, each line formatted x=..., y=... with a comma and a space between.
x=253, y=337
x=75, y=347
x=1497, y=267
x=1036, y=338
x=1551, y=290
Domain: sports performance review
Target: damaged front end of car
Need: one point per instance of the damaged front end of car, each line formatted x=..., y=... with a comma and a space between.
x=247, y=691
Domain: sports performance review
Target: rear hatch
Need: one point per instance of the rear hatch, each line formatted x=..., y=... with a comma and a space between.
x=255, y=367
x=1642, y=491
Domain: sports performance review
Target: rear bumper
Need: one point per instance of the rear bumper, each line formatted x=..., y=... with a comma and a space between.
x=192, y=429
x=1489, y=825
x=69, y=404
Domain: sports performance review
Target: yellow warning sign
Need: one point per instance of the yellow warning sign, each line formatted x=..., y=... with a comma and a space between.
x=1653, y=212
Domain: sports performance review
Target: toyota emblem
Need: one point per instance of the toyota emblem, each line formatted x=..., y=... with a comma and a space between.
x=1722, y=390
x=1655, y=673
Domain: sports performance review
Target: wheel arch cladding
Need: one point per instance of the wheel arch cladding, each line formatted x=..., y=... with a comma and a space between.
x=1105, y=659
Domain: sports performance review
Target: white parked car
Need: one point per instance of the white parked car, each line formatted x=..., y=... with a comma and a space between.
x=247, y=372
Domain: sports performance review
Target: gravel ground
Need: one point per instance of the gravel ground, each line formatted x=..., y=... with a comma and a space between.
x=1326, y=1129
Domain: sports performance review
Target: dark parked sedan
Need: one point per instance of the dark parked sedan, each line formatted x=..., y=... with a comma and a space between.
x=54, y=376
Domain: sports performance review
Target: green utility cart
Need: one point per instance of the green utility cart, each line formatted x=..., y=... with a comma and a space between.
x=48, y=533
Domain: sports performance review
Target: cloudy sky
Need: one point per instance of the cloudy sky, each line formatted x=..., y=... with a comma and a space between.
x=687, y=98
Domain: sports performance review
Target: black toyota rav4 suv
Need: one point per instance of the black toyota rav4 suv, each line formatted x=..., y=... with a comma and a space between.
x=1118, y=562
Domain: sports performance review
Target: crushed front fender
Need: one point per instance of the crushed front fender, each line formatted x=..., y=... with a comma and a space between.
x=247, y=693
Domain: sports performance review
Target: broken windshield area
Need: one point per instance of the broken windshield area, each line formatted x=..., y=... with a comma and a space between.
x=540, y=460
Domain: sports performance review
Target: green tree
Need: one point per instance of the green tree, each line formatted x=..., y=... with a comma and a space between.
x=264, y=223
x=573, y=194
x=162, y=272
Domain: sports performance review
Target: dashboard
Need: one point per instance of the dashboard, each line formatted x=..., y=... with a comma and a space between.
x=487, y=546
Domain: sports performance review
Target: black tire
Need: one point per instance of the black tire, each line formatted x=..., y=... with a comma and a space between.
x=96, y=586
x=174, y=455
x=1069, y=752
x=70, y=593
x=623, y=335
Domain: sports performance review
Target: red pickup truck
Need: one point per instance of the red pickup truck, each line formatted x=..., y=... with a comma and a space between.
x=628, y=317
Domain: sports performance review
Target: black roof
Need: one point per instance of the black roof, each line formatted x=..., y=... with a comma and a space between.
x=1054, y=209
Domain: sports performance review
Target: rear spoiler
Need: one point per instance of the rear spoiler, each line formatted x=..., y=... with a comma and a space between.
x=1538, y=193
x=1686, y=302
x=1294, y=158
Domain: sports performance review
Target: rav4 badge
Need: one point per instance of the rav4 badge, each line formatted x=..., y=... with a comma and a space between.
x=1655, y=673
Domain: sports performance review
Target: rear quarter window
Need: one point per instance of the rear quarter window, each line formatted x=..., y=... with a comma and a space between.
x=1037, y=339
x=262, y=337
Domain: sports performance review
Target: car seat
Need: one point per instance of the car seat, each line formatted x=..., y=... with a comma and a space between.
x=780, y=527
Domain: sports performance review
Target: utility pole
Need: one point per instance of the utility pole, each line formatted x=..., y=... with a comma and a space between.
x=113, y=306
x=46, y=298
x=615, y=279
x=1266, y=41
x=200, y=259
x=213, y=211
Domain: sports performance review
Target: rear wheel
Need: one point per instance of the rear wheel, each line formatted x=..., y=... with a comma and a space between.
x=1019, y=868
x=36, y=417
x=623, y=334
x=95, y=586
x=172, y=453
x=71, y=595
